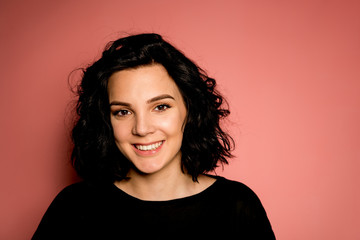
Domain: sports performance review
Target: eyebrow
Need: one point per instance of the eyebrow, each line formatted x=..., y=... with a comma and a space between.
x=151, y=100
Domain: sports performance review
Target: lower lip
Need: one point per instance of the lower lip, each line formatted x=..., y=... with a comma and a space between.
x=148, y=152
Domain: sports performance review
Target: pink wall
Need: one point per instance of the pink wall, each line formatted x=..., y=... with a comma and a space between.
x=290, y=70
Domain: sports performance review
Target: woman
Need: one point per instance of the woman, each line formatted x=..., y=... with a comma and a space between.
x=148, y=132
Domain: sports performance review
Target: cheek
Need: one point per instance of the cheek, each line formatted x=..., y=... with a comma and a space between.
x=121, y=131
x=172, y=125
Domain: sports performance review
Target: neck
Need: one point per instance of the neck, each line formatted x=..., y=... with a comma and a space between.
x=158, y=187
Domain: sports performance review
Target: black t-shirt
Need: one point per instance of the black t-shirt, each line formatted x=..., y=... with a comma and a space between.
x=225, y=210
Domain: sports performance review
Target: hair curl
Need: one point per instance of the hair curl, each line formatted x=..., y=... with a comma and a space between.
x=95, y=155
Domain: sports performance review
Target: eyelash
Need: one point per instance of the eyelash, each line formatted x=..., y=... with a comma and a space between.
x=117, y=113
x=166, y=106
x=127, y=112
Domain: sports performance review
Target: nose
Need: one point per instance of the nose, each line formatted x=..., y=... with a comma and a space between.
x=143, y=125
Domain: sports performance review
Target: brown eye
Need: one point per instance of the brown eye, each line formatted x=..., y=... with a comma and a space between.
x=162, y=107
x=122, y=113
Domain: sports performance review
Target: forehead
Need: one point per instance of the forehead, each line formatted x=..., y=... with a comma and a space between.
x=142, y=82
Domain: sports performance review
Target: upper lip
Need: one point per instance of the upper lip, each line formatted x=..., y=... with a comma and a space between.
x=145, y=144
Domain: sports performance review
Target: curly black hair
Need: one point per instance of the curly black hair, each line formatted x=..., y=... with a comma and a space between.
x=95, y=155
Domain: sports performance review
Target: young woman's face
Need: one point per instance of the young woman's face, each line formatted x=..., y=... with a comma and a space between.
x=147, y=116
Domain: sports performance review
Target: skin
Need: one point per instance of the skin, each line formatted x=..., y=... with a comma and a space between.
x=147, y=116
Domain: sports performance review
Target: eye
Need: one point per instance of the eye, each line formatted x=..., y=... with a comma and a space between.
x=162, y=107
x=122, y=113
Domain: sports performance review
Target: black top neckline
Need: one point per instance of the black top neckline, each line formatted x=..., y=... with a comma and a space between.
x=102, y=211
x=195, y=196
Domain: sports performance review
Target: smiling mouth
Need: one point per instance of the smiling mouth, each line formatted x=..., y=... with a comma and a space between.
x=149, y=147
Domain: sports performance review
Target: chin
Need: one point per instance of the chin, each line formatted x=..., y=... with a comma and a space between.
x=147, y=171
x=147, y=166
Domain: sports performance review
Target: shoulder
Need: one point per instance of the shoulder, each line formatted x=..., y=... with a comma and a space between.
x=74, y=191
x=74, y=188
x=235, y=189
x=240, y=198
x=251, y=218
x=77, y=196
x=69, y=197
x=66, y=215
x=84, y=187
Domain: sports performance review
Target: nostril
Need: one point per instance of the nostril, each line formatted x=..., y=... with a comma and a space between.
x=142, y=129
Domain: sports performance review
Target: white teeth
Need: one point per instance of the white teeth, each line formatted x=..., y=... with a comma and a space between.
x=149, y=147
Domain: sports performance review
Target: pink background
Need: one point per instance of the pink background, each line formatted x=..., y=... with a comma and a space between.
x=290, y=71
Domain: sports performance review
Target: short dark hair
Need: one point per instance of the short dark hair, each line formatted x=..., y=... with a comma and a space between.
x=95, y=155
